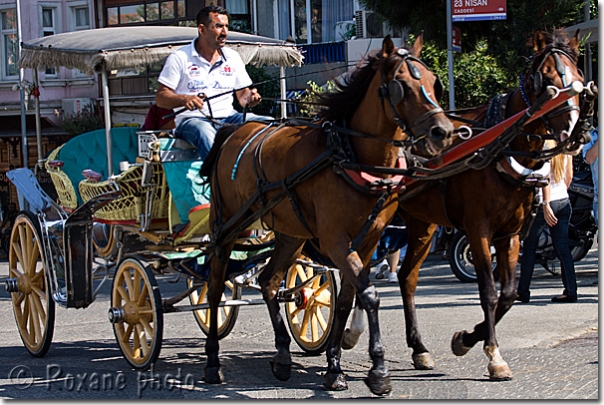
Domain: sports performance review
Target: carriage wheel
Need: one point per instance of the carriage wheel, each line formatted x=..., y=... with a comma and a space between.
x=33, y=305
x=136, y=313
x=227, y=316
x=311, y=316
x=103, y=239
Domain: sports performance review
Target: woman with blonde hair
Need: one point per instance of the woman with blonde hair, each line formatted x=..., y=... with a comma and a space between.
x=555, y=212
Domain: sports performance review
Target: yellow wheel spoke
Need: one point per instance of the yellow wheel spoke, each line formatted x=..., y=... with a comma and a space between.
x=19, y=299
x=25, y=314
x=123, y=293
x=301, y=273
x=16, y=272
x=137, y=286
x=136, y=343
x=39, y=292
x=32, y=261
x=144, y=294
x=322, y=302
x=219, y=318
x=295, y=313
x=321, y=320
x=35, y=320
x=145, y=312
x=38, y=276
x=322, y=288
x=142, y=339
x=130, y=288
x=39, y=308
x=148, y=327
x=127, y=333
x=305, y=320
x=314, y=328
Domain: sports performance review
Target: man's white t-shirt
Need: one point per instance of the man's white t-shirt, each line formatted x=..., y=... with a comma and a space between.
x=187, y=72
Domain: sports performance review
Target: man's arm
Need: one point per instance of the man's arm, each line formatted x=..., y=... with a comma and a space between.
x=168, y=98
x=592, y=154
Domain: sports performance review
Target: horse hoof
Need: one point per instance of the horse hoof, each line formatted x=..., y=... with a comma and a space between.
x=350, y=339
x=423, y=361
x=378, y=382
x=213, y=375
x=335, y=382
x=281, y=371
x=500, y=372
x=457, y=345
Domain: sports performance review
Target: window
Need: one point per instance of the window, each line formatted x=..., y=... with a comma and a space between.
x=170, y=12
x=9, y=45
x=79, y=19
x=317, y=17
x=49, y=28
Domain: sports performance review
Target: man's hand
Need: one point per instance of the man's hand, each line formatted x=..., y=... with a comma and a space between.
x=194, y=102
x=249, y=97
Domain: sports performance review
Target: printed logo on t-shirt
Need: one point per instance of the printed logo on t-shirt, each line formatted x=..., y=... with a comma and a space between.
x=196, y=85
x=227, y=71
x=193, y=70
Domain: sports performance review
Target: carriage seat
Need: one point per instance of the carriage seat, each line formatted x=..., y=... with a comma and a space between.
x=88, y=151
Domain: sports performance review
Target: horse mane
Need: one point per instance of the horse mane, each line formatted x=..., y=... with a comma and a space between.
x=340, y=104
x=558, y=40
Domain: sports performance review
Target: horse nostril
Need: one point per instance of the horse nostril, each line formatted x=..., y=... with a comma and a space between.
x=438, y=133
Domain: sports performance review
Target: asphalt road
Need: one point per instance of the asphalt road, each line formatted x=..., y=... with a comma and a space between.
x=552, y=349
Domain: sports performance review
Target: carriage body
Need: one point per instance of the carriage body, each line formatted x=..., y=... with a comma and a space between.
x=115, y=215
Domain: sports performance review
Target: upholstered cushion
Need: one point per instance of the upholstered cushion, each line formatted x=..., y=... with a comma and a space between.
x=89, y=151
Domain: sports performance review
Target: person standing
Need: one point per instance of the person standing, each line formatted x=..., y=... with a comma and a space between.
x=590, y=155
x=207, y=68
x=555, y=212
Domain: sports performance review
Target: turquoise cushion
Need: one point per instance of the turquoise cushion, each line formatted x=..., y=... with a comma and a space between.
x=184, y=182
x=89, y=151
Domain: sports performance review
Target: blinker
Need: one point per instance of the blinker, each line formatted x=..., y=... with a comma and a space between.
x=395, y=92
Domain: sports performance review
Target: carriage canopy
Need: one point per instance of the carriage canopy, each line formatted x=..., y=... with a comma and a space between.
x=124, y=47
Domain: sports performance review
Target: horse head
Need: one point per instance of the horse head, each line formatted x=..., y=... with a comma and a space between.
x=554, y=63
x=409, y=94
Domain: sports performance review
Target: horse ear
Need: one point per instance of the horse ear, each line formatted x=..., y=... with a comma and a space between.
x=538, y=41
x=418, y=45
x=387, y=46
x=574, y=42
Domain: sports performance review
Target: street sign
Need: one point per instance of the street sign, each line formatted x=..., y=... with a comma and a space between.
x=456, y=39
x=478, y=10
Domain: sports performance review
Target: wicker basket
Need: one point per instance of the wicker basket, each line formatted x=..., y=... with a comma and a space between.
x=66, y=195
x=131, y=204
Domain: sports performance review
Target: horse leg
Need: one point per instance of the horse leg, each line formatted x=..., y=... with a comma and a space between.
x=357, y=327
x=419, y=241
x=287, y=249
x=335, y=379
x=212, y=371
x=507, y=257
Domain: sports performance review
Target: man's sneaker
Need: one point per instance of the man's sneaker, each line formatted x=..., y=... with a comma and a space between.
x=392, y=278
x=382, y=269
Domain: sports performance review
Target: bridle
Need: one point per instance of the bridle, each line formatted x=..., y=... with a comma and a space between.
x=538, y=86
x=393, y=94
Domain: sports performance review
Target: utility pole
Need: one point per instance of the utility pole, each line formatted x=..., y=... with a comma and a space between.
x=450, y=56
x=22, y=93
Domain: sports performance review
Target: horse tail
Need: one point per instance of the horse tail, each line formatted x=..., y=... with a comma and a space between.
x=223, y=133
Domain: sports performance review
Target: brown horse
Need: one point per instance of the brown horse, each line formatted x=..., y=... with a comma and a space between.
x=490, y=204
x=381, y=104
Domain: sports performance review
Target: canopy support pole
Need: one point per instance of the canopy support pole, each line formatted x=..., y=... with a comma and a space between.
x=282, y=85
x=107, y=123
x=36, y=92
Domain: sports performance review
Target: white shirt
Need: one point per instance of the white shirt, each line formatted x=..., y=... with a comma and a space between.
x=187, y=72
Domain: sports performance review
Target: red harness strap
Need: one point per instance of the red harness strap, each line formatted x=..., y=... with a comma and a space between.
x=376, y=184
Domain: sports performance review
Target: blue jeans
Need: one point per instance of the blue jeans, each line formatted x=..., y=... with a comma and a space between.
x=562, y=210
x=200, y=132
x=594, y=176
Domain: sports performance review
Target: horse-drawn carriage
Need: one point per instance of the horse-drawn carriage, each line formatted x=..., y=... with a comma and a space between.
x=132, y=204
x=335, y=183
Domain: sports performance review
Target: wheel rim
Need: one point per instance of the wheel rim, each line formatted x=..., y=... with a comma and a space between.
x=200, y=296
x=32, y=305
x=310, y=318
x=138, y=334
